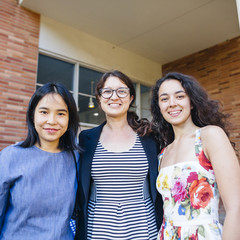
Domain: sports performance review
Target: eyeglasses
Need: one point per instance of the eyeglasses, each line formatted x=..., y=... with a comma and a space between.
x=121, y=92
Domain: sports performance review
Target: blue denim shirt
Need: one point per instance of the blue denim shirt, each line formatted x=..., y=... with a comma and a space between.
x=37, y=194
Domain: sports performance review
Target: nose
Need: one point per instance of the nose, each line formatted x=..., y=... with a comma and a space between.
x=114, y=95
x=172, y=101
x=51, y=119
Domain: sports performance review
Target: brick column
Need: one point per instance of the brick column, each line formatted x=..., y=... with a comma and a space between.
x=19, y=35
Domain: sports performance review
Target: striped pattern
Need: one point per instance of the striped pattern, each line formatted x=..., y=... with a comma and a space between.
x=120, y=211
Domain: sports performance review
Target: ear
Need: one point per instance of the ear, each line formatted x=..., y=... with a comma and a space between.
x=131, y=99
x=98, y=99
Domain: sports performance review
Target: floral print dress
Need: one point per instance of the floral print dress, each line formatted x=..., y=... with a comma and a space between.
x=191, y=198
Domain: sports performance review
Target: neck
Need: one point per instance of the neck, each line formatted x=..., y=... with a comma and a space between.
x=117, y=124
x=48, y=147
x=183, y=131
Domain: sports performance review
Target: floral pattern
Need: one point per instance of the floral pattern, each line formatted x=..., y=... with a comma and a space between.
x=190, y=197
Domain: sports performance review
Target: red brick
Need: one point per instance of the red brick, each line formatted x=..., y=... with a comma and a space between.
x=19, y=36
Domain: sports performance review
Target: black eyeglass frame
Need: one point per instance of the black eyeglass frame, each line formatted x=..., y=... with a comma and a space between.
x=114, y=90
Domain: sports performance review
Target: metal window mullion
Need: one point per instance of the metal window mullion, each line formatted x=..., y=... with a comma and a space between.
x=138, y=99
x=76, y=83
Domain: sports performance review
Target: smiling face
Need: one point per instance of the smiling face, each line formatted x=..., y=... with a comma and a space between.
x=174, y=103
x=115, y=106
x=51, y=119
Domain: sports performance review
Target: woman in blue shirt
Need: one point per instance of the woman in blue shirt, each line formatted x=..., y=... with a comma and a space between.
x=38, y=176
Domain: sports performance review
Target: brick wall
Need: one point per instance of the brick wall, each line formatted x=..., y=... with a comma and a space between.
x=19, y=34
x=218, y=70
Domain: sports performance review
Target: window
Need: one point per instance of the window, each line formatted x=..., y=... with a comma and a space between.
x=81, y=82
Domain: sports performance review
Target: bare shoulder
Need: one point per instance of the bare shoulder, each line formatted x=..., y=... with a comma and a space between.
x=212, y=132
x=215, y=139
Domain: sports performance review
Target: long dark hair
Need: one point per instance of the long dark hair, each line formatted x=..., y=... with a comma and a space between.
x=204, y=111
x=141, y=126
x=68, y=140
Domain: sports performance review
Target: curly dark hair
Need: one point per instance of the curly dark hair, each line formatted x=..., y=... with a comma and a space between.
x=141, y=126
x=204, y=111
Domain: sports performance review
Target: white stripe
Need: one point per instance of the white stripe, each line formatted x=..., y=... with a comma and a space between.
x=120, y=211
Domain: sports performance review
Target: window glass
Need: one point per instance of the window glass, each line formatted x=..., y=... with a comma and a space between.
x=55, y=70
x=86, y=77
x=90, y=115
x=86, y=96
x=146, y=102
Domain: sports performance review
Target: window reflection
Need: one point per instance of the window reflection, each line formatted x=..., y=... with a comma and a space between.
x=55, y=70
x=89, y=115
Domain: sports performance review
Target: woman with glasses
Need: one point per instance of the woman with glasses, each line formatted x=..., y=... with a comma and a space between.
x=117, y=198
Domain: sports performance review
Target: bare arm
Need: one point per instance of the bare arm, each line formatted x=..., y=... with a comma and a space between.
x=227, y=171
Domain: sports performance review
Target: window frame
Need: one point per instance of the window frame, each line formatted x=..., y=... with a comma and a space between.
x=77, y=64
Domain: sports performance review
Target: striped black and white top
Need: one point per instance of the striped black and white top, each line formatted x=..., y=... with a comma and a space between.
x=119, y=210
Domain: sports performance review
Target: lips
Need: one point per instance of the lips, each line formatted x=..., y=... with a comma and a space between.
x=51, y=130
x=174, y=113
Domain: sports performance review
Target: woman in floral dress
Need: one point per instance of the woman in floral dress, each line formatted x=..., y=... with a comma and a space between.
x=197, y=163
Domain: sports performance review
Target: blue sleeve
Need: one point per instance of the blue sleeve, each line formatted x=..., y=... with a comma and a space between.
x=4, y=187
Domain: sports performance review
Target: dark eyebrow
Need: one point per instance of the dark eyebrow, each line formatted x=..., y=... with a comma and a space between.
x=165, y=94
x=62, y=110
x=181, y=91
x=59, y=110
x=108, y=88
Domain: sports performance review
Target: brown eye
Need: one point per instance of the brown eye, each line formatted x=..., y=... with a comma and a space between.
x=107, y=91
x=180, y=96
x=122, y=92
x=43, y=112
x=163, y=99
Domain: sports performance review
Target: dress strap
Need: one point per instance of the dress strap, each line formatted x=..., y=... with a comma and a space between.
x=198, y=142
x=160, y=157
x=203, y=160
